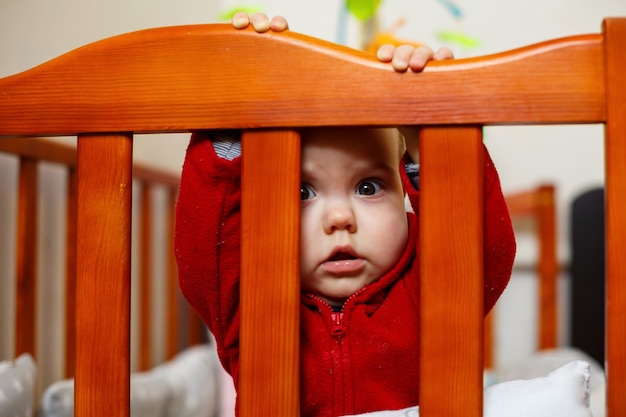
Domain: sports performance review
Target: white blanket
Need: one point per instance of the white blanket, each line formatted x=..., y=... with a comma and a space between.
x=564, y=392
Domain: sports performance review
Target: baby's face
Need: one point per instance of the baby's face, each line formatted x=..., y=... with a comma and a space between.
x=353, y=220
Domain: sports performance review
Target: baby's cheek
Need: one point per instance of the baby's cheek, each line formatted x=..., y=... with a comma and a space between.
x=395, y=240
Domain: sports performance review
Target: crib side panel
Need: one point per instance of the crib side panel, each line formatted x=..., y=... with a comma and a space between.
x=615, y=217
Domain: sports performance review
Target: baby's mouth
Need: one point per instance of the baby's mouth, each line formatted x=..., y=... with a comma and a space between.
x=342, y=262
x=341, y=256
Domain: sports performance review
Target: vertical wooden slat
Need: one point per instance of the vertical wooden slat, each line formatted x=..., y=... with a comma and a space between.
x=70, y=274
x=547, y=267
x=103, y=276
x=615, y=157
x=451, y=241
x=26, y=288
x=172, y=292
x=270, y=210
x=145, y=279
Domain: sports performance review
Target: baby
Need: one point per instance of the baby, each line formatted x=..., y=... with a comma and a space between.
x=359, y=269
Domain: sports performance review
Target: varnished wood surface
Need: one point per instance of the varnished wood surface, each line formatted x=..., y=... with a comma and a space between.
x=451, y=292
x=269, y=383
x=103, y=276
x=26, y=245
x=226, y=78
x=615, y=200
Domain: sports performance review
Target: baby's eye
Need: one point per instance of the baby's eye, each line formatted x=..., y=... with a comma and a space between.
x=368, y=187
x=306, y=192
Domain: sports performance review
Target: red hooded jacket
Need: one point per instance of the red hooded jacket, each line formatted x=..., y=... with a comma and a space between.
x=362, y=359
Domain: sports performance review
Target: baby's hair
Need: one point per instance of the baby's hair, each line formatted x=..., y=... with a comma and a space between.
x=401, y=143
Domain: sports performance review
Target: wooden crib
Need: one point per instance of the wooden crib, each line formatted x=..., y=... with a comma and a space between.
x=30, y=155
x=211, y=76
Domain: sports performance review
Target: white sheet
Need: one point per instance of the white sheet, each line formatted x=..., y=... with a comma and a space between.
x=564, y=392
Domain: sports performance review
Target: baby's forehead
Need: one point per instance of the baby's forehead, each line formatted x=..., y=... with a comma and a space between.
x=353, y=136
x=352, y=149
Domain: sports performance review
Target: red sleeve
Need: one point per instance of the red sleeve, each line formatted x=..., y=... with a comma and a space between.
x=207, y=243
x=499, y=240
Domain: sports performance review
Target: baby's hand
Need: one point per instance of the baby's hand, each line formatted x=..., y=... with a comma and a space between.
x=259, y=21
x=404, y=57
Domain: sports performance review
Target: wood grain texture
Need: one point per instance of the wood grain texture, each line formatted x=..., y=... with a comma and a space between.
x=615, y=216
x=270, y=286
x=103, y=276
x=211, y=76
x=451, y=293
x=27, y=256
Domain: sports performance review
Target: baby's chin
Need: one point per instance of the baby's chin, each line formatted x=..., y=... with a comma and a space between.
x=337, y=297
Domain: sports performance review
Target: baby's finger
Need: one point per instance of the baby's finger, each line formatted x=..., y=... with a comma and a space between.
x=385, y=52
x=240, y=20
x=401, y=57
x=443, y=54
x=279, y=24
x=260, y=22
x=420, y=58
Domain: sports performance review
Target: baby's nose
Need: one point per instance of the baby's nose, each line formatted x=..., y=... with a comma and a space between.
x=340, y=217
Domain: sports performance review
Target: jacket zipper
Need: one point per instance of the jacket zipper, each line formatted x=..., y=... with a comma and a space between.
x=338, y=332
x=338, y=329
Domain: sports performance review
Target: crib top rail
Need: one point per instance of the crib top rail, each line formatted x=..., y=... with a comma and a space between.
x=242, y=79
